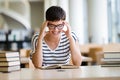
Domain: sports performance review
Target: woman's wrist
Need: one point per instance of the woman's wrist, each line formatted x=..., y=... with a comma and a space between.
x=70, y=36
x=41, y=35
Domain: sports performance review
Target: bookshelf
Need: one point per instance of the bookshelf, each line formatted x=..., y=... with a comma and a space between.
x=15, y=39
x=7, y=45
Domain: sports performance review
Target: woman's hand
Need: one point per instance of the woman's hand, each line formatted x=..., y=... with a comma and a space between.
x=74, y=46
x=37, y=57
x=43, y=29
x=68, y=31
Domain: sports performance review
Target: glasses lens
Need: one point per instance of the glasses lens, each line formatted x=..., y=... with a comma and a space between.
x=60, y=26
x=51, y=26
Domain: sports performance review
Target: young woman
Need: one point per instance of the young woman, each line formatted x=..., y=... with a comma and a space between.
x=57, y=45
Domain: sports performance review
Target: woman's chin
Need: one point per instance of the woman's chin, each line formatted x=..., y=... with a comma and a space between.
x=55, y=33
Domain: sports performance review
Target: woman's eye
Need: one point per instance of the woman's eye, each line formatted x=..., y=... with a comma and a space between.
x=51, y=26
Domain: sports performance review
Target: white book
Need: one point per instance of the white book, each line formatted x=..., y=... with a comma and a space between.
x=10, y=63
x=110, y=60
x=10, y=68
x=9, y=58
x=8, y=54
x=111, y=54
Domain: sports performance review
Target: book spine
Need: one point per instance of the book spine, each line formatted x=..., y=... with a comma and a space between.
x=111, y=55
x=10, y=54
x=9, y=59
x=10, y=63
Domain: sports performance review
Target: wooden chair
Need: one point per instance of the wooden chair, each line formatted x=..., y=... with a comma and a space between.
x=86, y=48
x=25, y=58
x=99, y=56
x=93, y=51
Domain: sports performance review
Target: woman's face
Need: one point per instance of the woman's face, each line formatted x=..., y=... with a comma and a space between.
x=55, y=27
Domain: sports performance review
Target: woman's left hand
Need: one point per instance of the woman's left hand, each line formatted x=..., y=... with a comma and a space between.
x=68, y=30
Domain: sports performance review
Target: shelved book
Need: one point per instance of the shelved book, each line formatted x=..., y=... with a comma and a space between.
x=9, y=61
x=57, y=66
x=111, y=59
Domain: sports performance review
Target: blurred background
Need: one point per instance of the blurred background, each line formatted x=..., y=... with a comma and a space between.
x=94, y=21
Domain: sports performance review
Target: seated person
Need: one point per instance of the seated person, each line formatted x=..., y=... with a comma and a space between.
x=55, y=46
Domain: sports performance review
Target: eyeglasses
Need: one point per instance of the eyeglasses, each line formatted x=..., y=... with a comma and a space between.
x=52, y=26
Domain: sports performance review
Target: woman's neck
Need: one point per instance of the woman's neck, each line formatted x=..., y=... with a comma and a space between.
x=52, y=38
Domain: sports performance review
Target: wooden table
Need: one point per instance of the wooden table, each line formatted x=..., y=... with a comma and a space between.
x=83, y=73
x=28, y=63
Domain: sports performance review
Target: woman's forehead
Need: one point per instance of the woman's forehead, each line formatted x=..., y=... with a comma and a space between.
x=56, y=22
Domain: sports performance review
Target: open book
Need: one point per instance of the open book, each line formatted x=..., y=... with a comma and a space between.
x=65, y=66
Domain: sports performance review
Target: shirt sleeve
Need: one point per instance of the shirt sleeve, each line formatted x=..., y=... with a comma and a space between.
x=75, y=36
x=34, y=44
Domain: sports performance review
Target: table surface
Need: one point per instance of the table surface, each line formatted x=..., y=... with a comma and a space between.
x=83, y=73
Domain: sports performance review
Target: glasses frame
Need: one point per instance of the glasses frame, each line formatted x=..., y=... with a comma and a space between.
x=59, y=26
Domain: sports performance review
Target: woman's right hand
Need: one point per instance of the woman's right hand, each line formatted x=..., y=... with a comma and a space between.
x=37, y=57
x=43, y=29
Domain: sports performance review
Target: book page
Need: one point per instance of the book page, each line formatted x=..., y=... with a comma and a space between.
x=65, y=66
x=69, y=66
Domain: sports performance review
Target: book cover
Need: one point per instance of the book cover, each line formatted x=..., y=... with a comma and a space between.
x=65, y=66
x=111, y=54
x=9, y=63
x=9, y=58
x=8, y=54
x=10, y=68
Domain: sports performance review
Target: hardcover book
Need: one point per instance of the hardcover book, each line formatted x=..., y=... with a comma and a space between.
x=111, y=54
x=9, y=59
x=8, y=54
x=104, y=60
x=10, y=63
x=10, y=68
x=111, y=65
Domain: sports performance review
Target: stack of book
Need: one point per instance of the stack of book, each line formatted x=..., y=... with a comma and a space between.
x=9, y=61
x=111, y=59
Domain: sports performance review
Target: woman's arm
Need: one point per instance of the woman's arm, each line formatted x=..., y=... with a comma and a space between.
x=37, y=57
x=74, y=47
x=75, y=52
